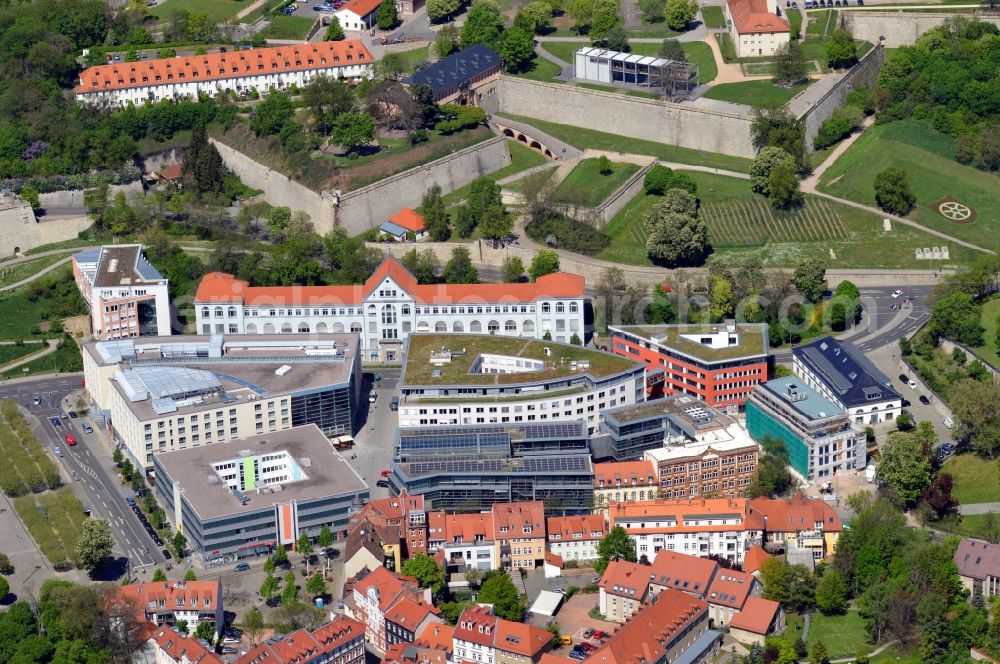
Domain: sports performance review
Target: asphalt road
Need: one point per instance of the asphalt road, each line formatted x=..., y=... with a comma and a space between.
x=88, y=463
x=373, y=443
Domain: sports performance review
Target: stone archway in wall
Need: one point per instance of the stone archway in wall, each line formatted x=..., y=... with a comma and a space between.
x=525, y=139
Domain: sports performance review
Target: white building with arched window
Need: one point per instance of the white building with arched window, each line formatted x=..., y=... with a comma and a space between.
x=390, y=305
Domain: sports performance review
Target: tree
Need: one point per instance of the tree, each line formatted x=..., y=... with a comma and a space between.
x=4, y=588
x=30, y=195
x=499, y=590
x=810, y=278
x=763, y=164
x=390, y=67
x=783, y=187
x=516, y=47
x=190, y=575
x=818, y=654
x=848, y=295
x=253, y=626
x=778, y=128
x=653, y=11
x=446, y=41
x=831, y=593
x=977, y=420
x=775, y=576
x=905, y=466
x=544, y=262
x=483, y=24
x=957, y=317
x=892, y=191
x=426, y=571
x=269, y=587
x=495, y=224
x=840, y=49
x=94, y=545
x=387, y=17
x=616, y=545
x=352, y=130
x=771, y=476
x=334, y=31
x=205, y=630
x=671, y=49
x=512, y=269
x=439, y=10
x=159, y=575
x=459, y=268
x=790, y=64
x=326, y=98
x=290, y=593
x=582, y=12
x=325, y=537
x=474, y=577
x=435, y=215
x=182, y=627
x=675, y=239
x=116, y=456
x=180, y=543
x=616, y=39
x=316, y=586
x=605, y=17
x=535, y=17
x=679, y=13
x=270, y=115
x=720, y=299
x=5, y=565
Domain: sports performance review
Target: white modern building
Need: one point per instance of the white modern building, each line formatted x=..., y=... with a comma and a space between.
x=756, y=27
x=126, y=295
x=841, y=373
x=188, y=77
x=466, y=379
x=592, y=63
x=390, y=305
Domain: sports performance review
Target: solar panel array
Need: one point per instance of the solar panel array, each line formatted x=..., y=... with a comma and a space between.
x=555, y=464
x=456, y=466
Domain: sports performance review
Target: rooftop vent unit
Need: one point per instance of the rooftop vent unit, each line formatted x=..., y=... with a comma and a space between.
x=305, y=462
x=282, y=370
x=245, y=453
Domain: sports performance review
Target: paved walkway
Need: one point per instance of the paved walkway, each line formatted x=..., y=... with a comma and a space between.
x=810, y=182
x=728, y=72
x=45, y=270
x=246, y=11
x=560, y=148
x=979, y=508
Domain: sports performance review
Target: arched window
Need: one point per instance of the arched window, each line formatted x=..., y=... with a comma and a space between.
x=475, y=327
x=338, y=328
x=321, y=328
x=388, y=314
x=440, y=326
x=251, y=328
x=560, y=308
x=371, y=310
x=528, y=327
x=510, y=327
x=218, y=312
x=356, y=328
x=493, y=327
x=231, y=312
x=205, y=312
x=304, y=328
x=574, y=307
x=268, y=328
x=286, y=327
x=423, y=326
x=406, y=310
x=457, y=326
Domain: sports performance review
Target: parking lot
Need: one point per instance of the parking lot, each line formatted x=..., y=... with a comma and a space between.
x=574, y=620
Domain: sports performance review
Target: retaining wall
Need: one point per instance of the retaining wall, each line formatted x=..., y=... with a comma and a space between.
x=618, y=200
x=648, y=119
x=862, y=74
x=899, y=28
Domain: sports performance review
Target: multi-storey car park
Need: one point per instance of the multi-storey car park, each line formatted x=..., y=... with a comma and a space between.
x=719, y=364
x=480, y=379
x=470, y=467
x=391, y=305
x=159, y=394
x=241, y=498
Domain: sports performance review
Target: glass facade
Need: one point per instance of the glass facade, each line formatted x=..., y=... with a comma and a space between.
x=329, y=409
x=760, y=424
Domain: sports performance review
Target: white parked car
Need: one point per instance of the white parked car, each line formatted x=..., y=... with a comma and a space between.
x=372, y=396
x=913, y=384
x=948, y=422
x=896, y=294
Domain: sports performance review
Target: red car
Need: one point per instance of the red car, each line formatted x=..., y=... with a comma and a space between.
x=588, y=647
x=70, y=440
x=386, y=473
x=598, y=634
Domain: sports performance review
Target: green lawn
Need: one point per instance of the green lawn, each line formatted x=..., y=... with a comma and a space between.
x=521, y=159
x=55, y=520
x=216, y=10
x=976, y=479
x=740, y=221
x=54, y=296
x=896, y=655
x=990, y=320
x=65, y=359
x=410, y=58
x=541, y=70
x=11, y=352
x=713, y=17
x=280, y=26
x=698, y=53
x=927, y=156
x=599, y=140
x=759, y=94
x=587, y=179
x=843, y=635
x=14, y=273
x=822, y=23
x=794, y=17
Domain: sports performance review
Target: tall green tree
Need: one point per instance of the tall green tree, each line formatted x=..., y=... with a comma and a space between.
x=810, y=278
x=977, y=419
x=840, y=49
x=512, y=269
x=435, y=215
x=771, y=476
x=535, y=17
x=316, y=585
x=327, y=98
x=459, y=268
x=483, y=24
x=831, y=593
x=271, y=114
x=544, y=262
x=335, y=32
x=94, y=545
x=892, y=191
x=387, y=17
x=516, y=47
x=790, y=63
x=439, y=10
x=290, y=592
x=352, y=130
x=680, y=13
x=499, y=590
x=957, y=317
x=426, y=571
x=616, y=545
x=325, y=537
x=905, y=466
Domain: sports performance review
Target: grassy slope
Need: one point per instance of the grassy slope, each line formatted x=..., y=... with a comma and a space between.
x=842, y=635
x=14, y=273
x=926, y=156
x=541, y=70
x=281, y=26
x=587, y=178
x=990, y=320
x=975, y=479
x=410, y=58
x=760, y=94
x=216, y=10
x=599, y=140
x=521, y=158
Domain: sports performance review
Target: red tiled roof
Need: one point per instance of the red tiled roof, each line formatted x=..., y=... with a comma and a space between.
x=301, y=647
x=182, y=648
x=362, y=7
x=643, y=472
x=757, y=615
x=554, y=559
x=680, y=571
x=388, y=584
x=172, y=172
x=477, y=624
x=751, y=16
x=219, y=287
x=408, y=613
x=466, y=527
x=185, y=595
x=680, y=509
x=731, y=588
x=754, y=558
x=409, y=219
x=626, y=579
x=797, y=513
x=549, y=658
x=511, y=519
x=437, y=636
x=653, y=631
x=219, y=66
x=565, y=528
x=521, y=638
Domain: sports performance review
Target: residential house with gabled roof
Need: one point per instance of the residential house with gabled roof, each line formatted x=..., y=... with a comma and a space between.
x=756, y=27
x=170, y=647
x=623, y=588
x=728, y=594
x=753, y=559
x=465, y=77
x=385, y=532
x=725, y=590
x=519, y=534
x=759, y=619
x=481, y=636
x=465, y=539
x=406, y=221
x=800, y=524
x=436, y=636
x=624, y=481
x=406, y=617
x=169, y=602
x=340, y=641
x=978, y=565
x=374, y=601
x=517, y=643
x=576, y=537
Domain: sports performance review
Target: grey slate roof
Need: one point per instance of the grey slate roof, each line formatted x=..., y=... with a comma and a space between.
x=977, y=559
x=846, y=371
x=456, y=69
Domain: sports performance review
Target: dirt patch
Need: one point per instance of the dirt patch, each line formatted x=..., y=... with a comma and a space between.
x=954, y=211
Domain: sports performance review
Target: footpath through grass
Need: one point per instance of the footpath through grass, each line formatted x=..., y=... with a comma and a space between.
x=15, y=273
x=740, y=221
x=587, y=181
x=49, y=298
x=927, y=156
x=842, y=635
x=976, y=479
x=599, y=140
x=759, y=94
